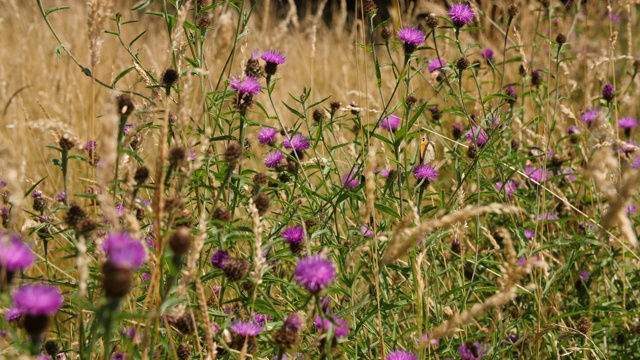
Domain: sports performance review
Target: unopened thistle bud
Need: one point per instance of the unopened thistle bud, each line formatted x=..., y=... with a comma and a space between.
x=125, y=105
x=513, y=10
x=561, y=39
x=169, y=77
x=141, y=175
x=386, y=33
x=318, y=115
x=335, y=106
x=462, y=64
x=177, y=156
x=262, y=203
x=233, y=154
x=432, y=21
x=180, y=241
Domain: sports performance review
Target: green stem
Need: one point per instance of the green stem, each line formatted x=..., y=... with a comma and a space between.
x=64, y=163
x=121, y=125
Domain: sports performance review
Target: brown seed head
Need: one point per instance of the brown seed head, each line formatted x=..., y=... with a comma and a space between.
x=513, y=10
x=260, y=179
x=169, y=77
x=262, y=203
x=221, y=213
x=177, y=156
x=386, y=33
x=561, y=39
x=141, y=175
x=125, y=105
x=180, y=241
x=318, y=114
x=233, y=154
x=432, y=21
x=462, y=64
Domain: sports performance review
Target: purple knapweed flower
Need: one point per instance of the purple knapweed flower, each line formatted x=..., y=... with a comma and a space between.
x=219, y=259
x=366, y=231
x=293, y=234
x=630, y=209
x=473, y=351
x=44, y=357
x=14, y=254
x=425, y=172
x=412, y=38
x=528, y=234
x=427, y=340
x=38, y=299
x=436, y=64
x=13, y=314
x=246, y=328
x=584, y=275
x=384, y=173
x=293, y=322
x=567, y=174
x=36, y=194
x=90, y=145
x=572, y=130
x=314, y=273
x=636, y=163
x=509, y=187
x=267, y=136
x=249, y=86
x=273, y=159
x=608, y=92
x=627, y=123
x=298, y=142
x=125, y=252
x=511, y=93
x=487, y=54
x=261, y=319
x=145, y=277
x=460, y=14
x=340, y=327
x=60, y=197
x=273, y=59
x=537, y=175
x=350, y=180
x=390, y=123
x=589, y=116
x=401, y=355
x=478, y=135
x=548, y=216
x=629, y=147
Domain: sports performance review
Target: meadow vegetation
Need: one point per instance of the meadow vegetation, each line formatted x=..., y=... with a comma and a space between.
x=209, y=179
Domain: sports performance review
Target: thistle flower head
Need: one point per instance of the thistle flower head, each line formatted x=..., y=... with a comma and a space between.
x=473, y=351
x=14, y=254
x=487, y=54
x=425, y=172
x=220, y=258
x=401, y=355
x=350, y=180
x=249, y=86
x=124, y=252
x=38, y=299
x=340, y=327
x=246, y=328
x=627, y=123
x=267, y=136
x=478, y=135
x=273, y=159
x=461, y=14
x=314, y=273
x=436, y=64
x=411, y=36
x=274, y=57
x=298, y=142
x=589, y=116
x=390, y=123
x=608, y=92
x=293, y=234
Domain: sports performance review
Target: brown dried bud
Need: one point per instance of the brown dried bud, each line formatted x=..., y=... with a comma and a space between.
x=180, y=241
x=260, y=179
x=177, y=156
x=584, y=326
x=515, y=144
x=204, y=22
x=369, y=7
x=432, y=21
x=561, y=39
x=462, y=63
x=386, y=33
x=66, y=142
x=253, y=68
x=335, y=106
x=169, y=77
x=117, y=281
x=236, y=269
x=86, y=226
x=125, y=105
x=74, y=215
x=318, y=115
x=411, y=101
x=221, y=213
x=262, y=203
x=513, y=10
x=233, y=154
x=184, y=351
x=141, y=175
x=185, y=323
x=472, y=151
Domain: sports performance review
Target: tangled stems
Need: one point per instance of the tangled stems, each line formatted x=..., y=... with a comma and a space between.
x=64, y=161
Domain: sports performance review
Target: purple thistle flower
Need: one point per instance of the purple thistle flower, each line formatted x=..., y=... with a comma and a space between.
x=249, y=86
x=36, y=194
x=548, y=216
x=461, y=14
x=14, y=254
x=340, y=327
x=631, y=209
x=528, y=234
x=246, y=328
x=537, y=175
x=436, y=64
x=273, y=159
x=390, y=123
x=61, y=196
x=145, y=277
x=627, y=123
x=401, y=355
x=44, y=357
x=267, y=136
x=384, y=173
x=412, y=38
x=350, y=180
x=473, y=351
x=273, y=57
x=261, y=319
x=568, y=174
x=509, y=188
x=511, y=93
x=293, y=322
x=636, y=163
x=425, y=172
x=219, y=259
x=608, y=92
x=125, y=252
x=572, y=130
x=293, y=234
x=589, y=116
x=314, y=273
x=366, y=231
x=629, y=147
x=298, y=142
x=90, y=145
x=13, y=314
x=487, y=54
x=478, y=135
x=584, y=275
x=38, y=299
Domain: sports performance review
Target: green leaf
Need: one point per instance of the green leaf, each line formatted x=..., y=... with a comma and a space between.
x=387, y=210
x=34, y=186
x=137, y=37
x=121, y=75
x=143, y=4
x=54, y=9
